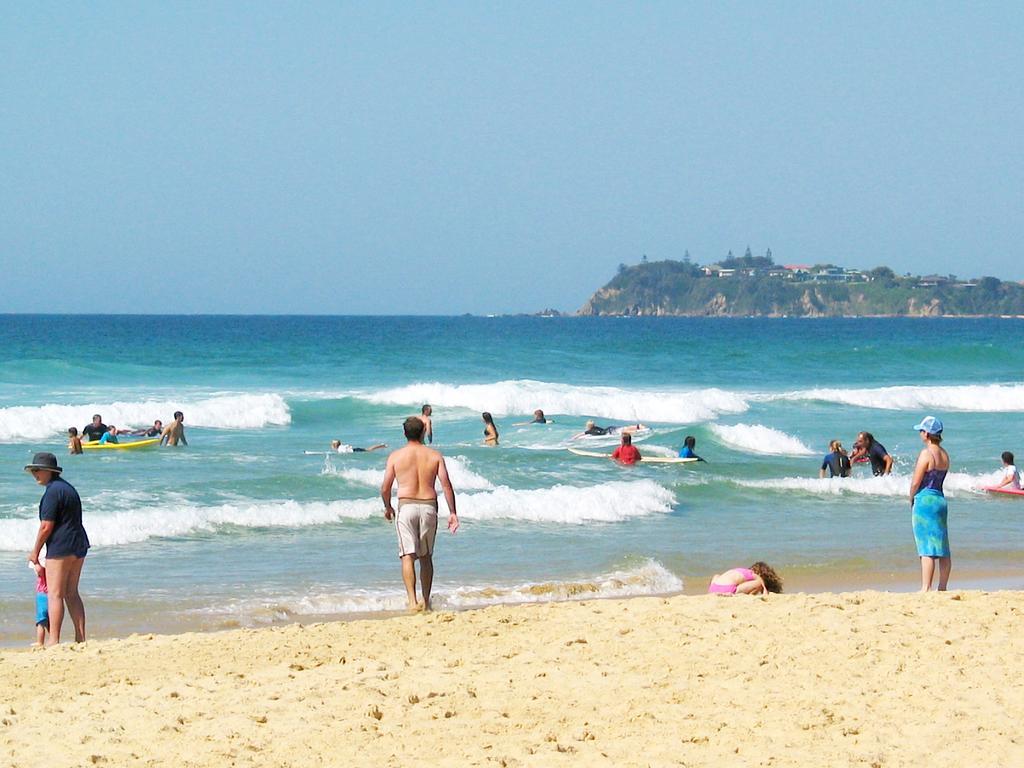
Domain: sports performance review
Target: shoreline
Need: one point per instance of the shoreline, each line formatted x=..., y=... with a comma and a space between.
x=815, y=584
x=861, y=678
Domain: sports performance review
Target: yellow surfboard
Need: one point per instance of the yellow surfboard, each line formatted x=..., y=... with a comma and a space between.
x=96, y=446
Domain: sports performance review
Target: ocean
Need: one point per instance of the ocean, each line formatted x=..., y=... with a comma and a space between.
x=245, y=528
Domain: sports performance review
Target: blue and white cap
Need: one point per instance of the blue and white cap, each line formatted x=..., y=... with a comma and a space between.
x=930, y=424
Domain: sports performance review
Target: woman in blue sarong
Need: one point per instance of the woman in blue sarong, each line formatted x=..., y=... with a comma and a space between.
x=928, y=505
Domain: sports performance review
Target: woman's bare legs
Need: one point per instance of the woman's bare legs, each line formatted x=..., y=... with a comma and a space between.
x=62, y=577
x=945, y=566
x=927, y=572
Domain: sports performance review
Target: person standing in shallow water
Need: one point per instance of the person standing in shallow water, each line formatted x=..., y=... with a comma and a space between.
x=626, y=453
x=866, y=447
x=61, y=530
x=175, y=431
x=490, y=429
x=417, y=468
x=836, y=461
x=428, y=424
x=928, y=505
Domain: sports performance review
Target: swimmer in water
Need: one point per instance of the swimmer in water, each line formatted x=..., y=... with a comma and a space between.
x=490, y=429
x=538, y=418
x=339, y=447
x=592, y=430
x=686, y=452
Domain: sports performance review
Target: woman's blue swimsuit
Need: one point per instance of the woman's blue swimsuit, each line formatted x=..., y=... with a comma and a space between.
x=929, y=516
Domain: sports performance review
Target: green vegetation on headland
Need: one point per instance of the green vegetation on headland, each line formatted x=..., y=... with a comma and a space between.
x=755, y=286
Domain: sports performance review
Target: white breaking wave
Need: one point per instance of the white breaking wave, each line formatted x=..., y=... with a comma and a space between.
x=648, y=578
x=462, y=477
x=956, y=484
x=523, y=396
x=19, y=423
x=605, y=503
x=150, y=522
x=608, y=503
x=985, y=398
x=755, y=438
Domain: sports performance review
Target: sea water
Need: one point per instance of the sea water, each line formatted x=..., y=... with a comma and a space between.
x=245, y=528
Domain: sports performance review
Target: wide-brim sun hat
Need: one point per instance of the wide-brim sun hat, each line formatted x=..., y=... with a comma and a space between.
x=45, y=461
x=929, y=424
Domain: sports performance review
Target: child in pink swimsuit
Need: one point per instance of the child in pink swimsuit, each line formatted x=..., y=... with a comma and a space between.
x=42, y=601
x=758, y=579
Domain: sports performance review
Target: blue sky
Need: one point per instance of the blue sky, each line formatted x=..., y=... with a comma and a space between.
x=473, y=157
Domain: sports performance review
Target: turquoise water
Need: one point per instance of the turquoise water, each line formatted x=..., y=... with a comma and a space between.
x=244, y=528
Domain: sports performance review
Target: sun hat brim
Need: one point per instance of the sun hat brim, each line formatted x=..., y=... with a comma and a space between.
x=30, y=467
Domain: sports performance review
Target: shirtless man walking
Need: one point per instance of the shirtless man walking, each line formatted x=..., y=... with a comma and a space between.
x=175, y=431
x=416, y=468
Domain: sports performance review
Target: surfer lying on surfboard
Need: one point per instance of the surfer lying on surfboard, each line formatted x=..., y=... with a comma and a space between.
x=592, y=430
x=339, y=447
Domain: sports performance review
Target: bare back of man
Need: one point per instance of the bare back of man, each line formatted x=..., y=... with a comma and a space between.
x=417, y=469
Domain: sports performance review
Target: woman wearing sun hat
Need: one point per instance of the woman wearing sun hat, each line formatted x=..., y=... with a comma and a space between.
x=61, y=530
x=928, y=505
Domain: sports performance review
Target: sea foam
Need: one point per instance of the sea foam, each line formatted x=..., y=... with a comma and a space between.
x=20, y=423
x=647, y=578
x=523, y=396
x=983, y=398
x=131, y=526
x=956, y=484
x=755, y=438
x=462, y=477
x=607, y=503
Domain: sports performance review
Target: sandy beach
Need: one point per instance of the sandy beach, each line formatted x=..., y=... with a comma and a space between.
x=864, y=678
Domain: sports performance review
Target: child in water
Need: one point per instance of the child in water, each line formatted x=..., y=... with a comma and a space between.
x=758, y=579
x=74, y=441
x=836, y=461
x=686, y=452
x=1011, y=475
x=42, y=601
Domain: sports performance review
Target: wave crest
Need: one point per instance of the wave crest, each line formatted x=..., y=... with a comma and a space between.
x=981, y=398
x=956, y=484
x=755, y=438
x=462, y=477
x=608, y=503
x=523, y=396
x=21, y=423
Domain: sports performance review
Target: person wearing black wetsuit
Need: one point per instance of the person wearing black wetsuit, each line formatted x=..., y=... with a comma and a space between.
x=95, y=430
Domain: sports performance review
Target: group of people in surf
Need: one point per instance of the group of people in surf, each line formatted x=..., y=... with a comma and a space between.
x=839, y=463
x=98, y=432
x=929, y=510
x=626, y=453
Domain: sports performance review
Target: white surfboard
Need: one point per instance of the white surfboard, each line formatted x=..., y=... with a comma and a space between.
x=645, y=459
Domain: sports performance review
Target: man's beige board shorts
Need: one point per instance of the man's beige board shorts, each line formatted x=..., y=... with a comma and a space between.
x=416, y=524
